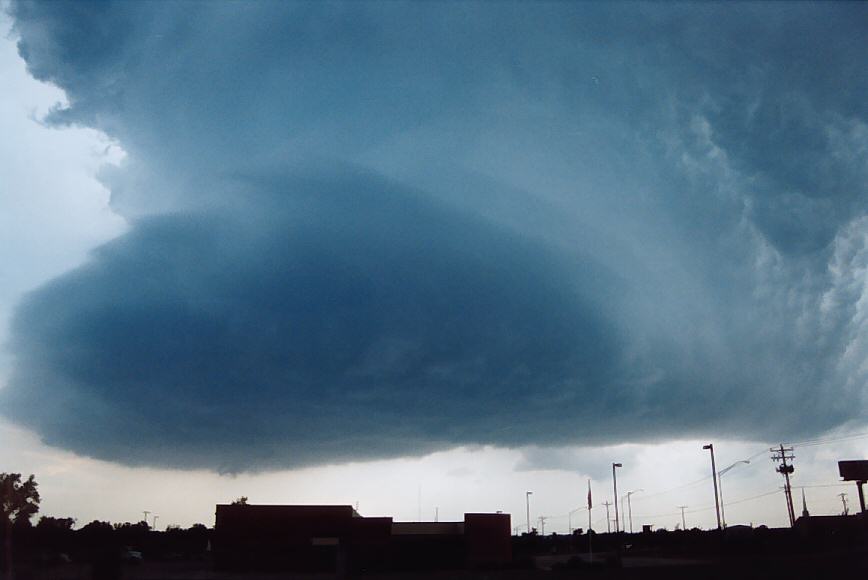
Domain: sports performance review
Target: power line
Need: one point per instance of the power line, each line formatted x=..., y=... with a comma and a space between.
x=753, y=497
x=653, y=516
x=763, y=451
x=839, y=484
x=776, y=456
x=826, y=441
x=711, y=506
x=647, y=496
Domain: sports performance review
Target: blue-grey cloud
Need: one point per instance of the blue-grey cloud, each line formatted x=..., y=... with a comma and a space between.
x=368, y=230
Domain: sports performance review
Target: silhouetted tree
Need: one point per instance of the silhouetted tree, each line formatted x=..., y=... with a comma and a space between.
x=240, y=501
x=50, y=524
x=19, y=501
x=138, y=527
x=55, y=534
x=97, y=527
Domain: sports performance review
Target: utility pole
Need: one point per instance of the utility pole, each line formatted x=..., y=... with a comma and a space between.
x=683, y=521
x=710, y=448
x=782, y=454
x=436, y=514
x=527, y=495
x=146, y=512
x=615, y=483
x=542, y=525
x=156, y=517
x=607, y=503
x=843, y=497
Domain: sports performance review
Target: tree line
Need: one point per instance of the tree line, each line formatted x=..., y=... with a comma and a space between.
x=53, y=540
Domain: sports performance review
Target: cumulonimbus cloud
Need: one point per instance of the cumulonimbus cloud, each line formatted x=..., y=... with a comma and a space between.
x=362, y=231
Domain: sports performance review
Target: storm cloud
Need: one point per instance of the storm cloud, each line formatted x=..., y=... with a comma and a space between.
x=362, y=230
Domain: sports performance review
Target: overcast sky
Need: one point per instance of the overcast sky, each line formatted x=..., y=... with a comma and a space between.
x=429, y=254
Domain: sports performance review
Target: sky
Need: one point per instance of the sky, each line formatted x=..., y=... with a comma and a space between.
x=434, y=255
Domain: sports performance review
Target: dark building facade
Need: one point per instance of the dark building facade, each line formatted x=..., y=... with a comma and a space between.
x=310, y=538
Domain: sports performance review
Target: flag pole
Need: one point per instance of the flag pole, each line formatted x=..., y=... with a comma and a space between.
x=590, y=505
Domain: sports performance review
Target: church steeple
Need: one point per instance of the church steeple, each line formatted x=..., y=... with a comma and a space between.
x=805, y=513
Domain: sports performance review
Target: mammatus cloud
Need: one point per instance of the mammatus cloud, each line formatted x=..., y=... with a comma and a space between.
x=363, y=231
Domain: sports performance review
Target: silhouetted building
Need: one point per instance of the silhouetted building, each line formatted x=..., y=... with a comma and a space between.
x=337, y=538
x=857, y=471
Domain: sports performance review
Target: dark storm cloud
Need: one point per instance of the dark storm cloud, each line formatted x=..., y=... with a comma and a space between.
x=366, y=230
x=309, y=327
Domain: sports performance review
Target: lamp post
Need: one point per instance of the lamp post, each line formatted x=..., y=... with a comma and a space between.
x=720, y=486
x=623, y=497
x=615, y=484
x=710, y=448
x=527, y=495
x=630, y=508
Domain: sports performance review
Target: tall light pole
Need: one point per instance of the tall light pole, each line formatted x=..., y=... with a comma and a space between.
x=710, y=448
x=623, y=497
x=527, y=495
x=630, y=508
x=615, y=483
x=720, y=486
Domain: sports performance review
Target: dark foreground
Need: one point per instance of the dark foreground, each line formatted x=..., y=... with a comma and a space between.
x=824, y=565
x=830, y=547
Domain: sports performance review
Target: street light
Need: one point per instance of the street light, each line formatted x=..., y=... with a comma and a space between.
x=720, y=486
x=630, y=508
x=527, y=495
x=710, y=448
x=615, y=483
